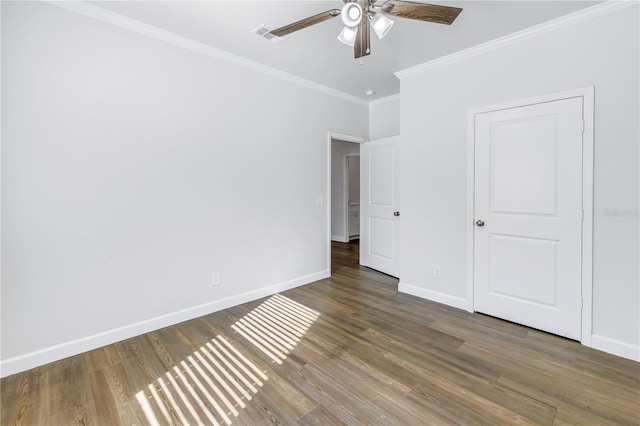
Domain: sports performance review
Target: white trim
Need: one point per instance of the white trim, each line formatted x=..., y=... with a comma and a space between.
x=434, y=296
x=386, y=100
x=588, y=115
x=339, y=238
x=552, y=25
x=587, y=94
x=471, y=171
x=616, y=347
x=139, y=27
x=0, y=172
x=330, y=137
x=57, y=352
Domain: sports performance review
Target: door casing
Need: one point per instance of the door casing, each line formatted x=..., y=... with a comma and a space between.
x=587, y=94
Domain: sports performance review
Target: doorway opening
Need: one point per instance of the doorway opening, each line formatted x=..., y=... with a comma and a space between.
x=344, y=188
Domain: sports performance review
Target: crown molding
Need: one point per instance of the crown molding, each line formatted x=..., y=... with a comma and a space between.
x=139, y=27
x=601, y=9
x=385, y=100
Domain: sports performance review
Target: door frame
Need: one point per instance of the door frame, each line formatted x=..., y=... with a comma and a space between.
x=345, y=193
x=587, y=94
x=330, y=137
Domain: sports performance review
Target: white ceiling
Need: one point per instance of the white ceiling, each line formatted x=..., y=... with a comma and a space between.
x=315, y=53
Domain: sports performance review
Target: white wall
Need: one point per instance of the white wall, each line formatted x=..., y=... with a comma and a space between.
x=133, y=169
x=603, y=52
x=339, y=149
x=384, y=117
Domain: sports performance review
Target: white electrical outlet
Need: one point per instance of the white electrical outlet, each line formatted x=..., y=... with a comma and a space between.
x=215, y=279
x=437, y=273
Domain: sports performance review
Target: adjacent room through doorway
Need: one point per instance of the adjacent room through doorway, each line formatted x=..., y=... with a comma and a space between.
x=345, y=197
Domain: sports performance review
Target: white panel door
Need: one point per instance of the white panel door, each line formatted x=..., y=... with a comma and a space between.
x=379, y=227
x=528, y=212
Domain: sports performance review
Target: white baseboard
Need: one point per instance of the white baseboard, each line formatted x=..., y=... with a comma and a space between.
x=605, y=344
x=616, y=347
x=434, y=296
x=339, y=239
x=64, y=350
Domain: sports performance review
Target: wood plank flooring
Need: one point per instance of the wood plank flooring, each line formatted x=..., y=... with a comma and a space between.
x=345, y=350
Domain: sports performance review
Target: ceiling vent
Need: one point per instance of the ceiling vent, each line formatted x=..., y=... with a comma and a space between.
x=263, y=31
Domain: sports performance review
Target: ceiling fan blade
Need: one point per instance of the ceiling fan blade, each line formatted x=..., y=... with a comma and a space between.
x=362, y=47
x=306, y=22
x=421, y=11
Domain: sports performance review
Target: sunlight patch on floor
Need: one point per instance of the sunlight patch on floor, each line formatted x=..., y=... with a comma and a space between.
x=216, y=381
x=276, y=326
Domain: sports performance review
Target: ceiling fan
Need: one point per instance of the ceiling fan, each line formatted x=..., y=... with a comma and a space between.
x=359, y=16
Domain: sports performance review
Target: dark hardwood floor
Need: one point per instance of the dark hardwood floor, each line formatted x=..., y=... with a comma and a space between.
x=345, y=350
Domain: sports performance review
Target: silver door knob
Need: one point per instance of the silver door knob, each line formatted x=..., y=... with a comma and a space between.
x=396, y=214
x=479, y=222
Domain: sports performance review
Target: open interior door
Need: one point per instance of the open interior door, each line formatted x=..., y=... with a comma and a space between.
x=379, y=214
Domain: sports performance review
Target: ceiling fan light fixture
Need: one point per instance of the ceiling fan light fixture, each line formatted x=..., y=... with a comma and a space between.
x=359, y=16
x=381, y=25
x=348, y=36
x=351, y=14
